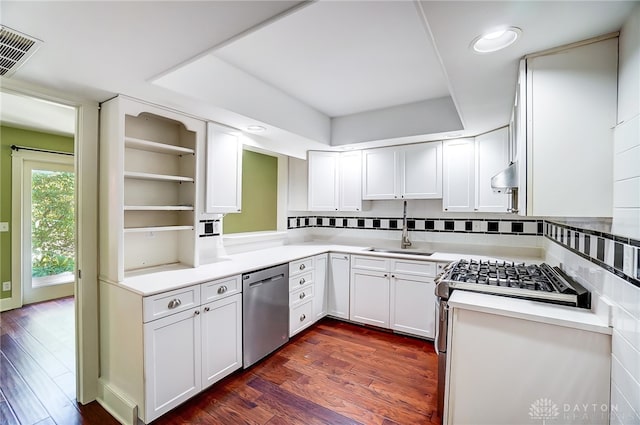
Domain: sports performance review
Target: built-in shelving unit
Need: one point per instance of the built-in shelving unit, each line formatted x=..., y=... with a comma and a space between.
x=148, y=187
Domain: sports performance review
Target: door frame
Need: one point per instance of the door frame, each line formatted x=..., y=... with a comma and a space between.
x=19, y=226
x=86, y=283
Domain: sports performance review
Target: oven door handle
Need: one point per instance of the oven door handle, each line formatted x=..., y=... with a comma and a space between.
x=442, y=316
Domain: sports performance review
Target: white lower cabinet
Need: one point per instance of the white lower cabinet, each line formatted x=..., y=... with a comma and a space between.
x=320, y=265
x=158, y=351
x=369, y=298
x=338, y=285
x=172, y=361
x=302, y=278
x=412, y=309
x=393, y=293
x=221, y=338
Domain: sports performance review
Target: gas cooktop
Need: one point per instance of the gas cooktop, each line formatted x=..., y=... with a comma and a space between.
x=539, y=282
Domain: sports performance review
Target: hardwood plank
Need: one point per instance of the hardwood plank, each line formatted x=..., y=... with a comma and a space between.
x=48, y=393
x=7, y=416
x=24, y=403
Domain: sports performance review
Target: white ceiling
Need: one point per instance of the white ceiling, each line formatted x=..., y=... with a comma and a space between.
x=293, y=67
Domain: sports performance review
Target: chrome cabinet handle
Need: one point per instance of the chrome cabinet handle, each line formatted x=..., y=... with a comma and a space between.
x=303, y=317
x=302, y=281
x=222, y=289
x=207, y=309
x=302, y=266
x=174, y=303
x=302, y=296
x=197, y=312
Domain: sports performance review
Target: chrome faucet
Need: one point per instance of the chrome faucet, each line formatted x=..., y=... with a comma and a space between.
x=405, y=230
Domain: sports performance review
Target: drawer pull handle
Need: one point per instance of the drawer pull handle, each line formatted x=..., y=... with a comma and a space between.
x=207, y=309
x=222, y=289
x=302, y=296
x=174, y=303
x=303, y=317
x=197, y=312
x=302, y=281
x=302, y=266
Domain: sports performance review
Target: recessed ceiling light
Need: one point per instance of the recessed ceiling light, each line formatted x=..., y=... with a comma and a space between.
x=256, y=128
x=495, y=40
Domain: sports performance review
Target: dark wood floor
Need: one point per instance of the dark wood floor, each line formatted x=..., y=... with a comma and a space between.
x=333, y=373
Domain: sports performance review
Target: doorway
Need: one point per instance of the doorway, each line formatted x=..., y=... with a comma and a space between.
x=48, y=223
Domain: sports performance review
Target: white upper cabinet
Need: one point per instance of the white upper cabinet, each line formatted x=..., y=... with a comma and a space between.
x=406, y=172
x=379, y=173
x=458, y=192
x=335, y=181
x=421, y=171
x=492, y=156
x=224, y=170
x=350, y=181
x=571, y=109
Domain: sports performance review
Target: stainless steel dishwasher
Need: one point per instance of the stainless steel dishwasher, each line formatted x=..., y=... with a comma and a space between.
x=265, y=312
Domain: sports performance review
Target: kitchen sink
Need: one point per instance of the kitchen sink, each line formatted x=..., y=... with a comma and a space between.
x=400, y=251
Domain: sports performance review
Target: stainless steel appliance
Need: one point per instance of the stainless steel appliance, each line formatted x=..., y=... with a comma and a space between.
x=539, y=282
x=265, y=312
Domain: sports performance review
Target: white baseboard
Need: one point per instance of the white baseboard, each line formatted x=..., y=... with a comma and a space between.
x=120, y=407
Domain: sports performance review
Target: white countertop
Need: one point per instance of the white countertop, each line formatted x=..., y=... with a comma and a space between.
x=573, y=317
x=167, y=278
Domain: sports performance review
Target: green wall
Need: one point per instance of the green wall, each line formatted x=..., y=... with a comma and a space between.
x=259, y=195
x=15, y=136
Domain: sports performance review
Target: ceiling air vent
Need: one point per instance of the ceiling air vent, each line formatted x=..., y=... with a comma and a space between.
x=15, y=49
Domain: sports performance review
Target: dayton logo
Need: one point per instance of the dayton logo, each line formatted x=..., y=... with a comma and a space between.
x=543, y=409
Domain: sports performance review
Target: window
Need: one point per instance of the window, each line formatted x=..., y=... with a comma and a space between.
x=259, y=196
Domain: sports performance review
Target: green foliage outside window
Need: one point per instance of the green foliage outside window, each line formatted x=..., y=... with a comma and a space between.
x=52, y=223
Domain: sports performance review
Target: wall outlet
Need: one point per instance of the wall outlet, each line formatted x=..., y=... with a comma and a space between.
x=6, y=286
x=4, y=226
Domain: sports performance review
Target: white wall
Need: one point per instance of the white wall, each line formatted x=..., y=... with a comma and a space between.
x=626, y=188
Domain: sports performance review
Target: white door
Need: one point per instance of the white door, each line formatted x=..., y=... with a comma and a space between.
x=413, y=305
x=421, y=171
x=379, y=173
x=492, y=156
x=458, y=192
x=350, y=181
x=224, y=170
x=172, y=362
x=338, y=291
x=320, y=286
x=369, y=298
x=221, y=338
x=323, y=181
x=47, y=220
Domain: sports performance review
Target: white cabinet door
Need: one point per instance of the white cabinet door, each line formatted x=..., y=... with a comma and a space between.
x=224, y=170
x=323, y=181
x=172, y=362
x=350, y=181
x=320, y=265
x=379, y=174
x=413, y=305
x=421, y=171
x=221, y=338
x=492, y=156
x=338, y=291
x=458, y=175
x=369, y=298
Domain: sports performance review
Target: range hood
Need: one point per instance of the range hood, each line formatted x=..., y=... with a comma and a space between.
x=506, y=180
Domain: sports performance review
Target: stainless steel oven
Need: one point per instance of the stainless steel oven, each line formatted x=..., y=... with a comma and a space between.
x=538, y=282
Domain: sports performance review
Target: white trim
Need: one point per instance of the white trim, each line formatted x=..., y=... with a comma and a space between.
x=86, y=290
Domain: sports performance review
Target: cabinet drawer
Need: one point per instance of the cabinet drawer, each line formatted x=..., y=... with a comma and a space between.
x=300, y=317
x=167, y=303
x=221, y=288
x=421, y=268
x=300, y=295
x=369, y=263
x=300, y=280
x=300, y=266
